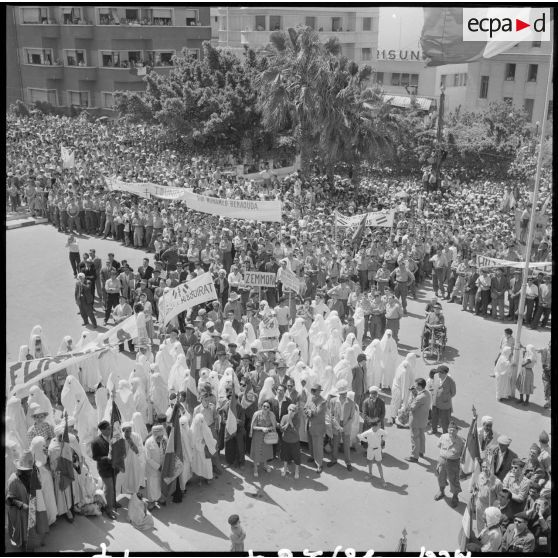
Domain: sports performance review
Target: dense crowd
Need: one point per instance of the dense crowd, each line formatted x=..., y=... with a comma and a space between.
x=317, y=367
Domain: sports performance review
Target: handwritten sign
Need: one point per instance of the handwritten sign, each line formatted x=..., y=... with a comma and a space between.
x=259, y=279
x=290, y=280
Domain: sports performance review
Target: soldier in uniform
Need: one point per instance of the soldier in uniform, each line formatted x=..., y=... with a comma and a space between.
x=451, y=447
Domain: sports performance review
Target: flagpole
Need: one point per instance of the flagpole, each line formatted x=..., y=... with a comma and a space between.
x=532, y=219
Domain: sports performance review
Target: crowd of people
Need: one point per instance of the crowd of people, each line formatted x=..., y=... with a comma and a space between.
x=314, y=370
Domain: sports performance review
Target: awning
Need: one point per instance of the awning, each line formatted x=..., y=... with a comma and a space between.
x=404, y=101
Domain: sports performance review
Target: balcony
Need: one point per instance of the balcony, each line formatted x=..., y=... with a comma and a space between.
x=83, y=73
x=42, y=71
x=122, y=75
x=151, y=32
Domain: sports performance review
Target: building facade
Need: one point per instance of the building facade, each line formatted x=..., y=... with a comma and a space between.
x=81, y=55
x=356, y=28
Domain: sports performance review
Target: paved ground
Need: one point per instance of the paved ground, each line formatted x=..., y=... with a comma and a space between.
x=316, y=512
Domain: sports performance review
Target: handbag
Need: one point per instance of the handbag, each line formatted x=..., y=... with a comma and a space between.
x=271, y=438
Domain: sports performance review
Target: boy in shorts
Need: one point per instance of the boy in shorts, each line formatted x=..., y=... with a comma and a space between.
x=375, y=439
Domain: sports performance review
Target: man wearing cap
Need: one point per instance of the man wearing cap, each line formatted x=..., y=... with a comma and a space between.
x=487, y=436
x=518, y=484
x=373, y=407
x=100, y=452
x=40, y=426
x=502, y=457
x=444, y=392
x=518, y=539
x=155, y=448
x=418, y=418
x=451, y=447
x=470, y=287
x=342, y=412
x=315, y=410
x=235, y=306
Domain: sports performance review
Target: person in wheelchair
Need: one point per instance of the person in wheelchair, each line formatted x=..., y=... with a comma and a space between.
x=435, y=324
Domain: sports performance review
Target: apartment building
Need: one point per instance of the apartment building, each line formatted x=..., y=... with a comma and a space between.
x=80, y=55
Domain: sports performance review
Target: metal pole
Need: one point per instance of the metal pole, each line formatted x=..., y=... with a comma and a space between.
x=532, y=220
x=439, y=135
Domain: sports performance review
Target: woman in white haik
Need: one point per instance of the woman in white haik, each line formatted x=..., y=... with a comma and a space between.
x=299, y=333
x=202, y=438
x=389, y=359
x=373, y=354
x=404, y=378
x=502, y=372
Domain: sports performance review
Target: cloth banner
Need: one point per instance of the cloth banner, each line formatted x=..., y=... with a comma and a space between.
x=290, y=280
x=259, y=279
x=374, y=219
x=187, y=295
x=22, y=375
x=68, y=159
x=146, y=189
x=541, y=267
x=124, y=331
x=235, y=209
x=269, y=343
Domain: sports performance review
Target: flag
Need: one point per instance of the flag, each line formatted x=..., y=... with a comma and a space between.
x=68, y=159
x=65, y=463
x=230, y=426
x=34, y=485
x=466, y=532
x=173, y=462
x=442, y=37
x=358, y=234
x=471, y=451
x=124, y=331
x=117, y=442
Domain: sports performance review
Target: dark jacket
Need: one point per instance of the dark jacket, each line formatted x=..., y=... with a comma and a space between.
x=83, y=294
x=100, y=450
x=501, y=469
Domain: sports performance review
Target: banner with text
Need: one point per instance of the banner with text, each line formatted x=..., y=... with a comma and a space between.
x=540, y=267
x=22, y=375
x=235, y=209
x=259, y=279
x=187, y=295
x=146, y=189
x=374, y=219
x=290, y=280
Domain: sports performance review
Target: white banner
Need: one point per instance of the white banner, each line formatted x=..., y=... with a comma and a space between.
x=290, y=280
x=187, y=295
x=68, y=159
x=374, y=219
x=22, y=375
x=235, y=209
x=146, y=189
x=259, y=279
x=486, y=261
x=124, y=331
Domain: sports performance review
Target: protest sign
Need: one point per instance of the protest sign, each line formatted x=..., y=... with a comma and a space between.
x=540, y=267
x=68, y=159
x=259, y=279
x=146, y=189
x=187, y=295
x=374, y=219
x=290, y=280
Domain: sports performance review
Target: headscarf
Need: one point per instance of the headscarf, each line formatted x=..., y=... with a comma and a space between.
x=291, y=354
x=23, y=352
x=343, y=371
x=14, y=410
x=267, y=391
x=504, y=361
x=351, y=355
x=299, y=333
x=177, y=374
x=333, y=322
x=242, y=344
x=350, y=341
x=334, y=346
x=13, y=436
x=228, y=378
x=138, y=426
x=531, y=354
x=158, y=393
x=37, y=332
x=493, y=516
x=250, y=334
x=318, y=325
x=359, y=323
x=37, y=450
x=229, y=332
x=87, y=340
x=286, y=339
x=201, y=435
x=214, y=381
x=37, y=395
x=373, y=363
x=63, y=349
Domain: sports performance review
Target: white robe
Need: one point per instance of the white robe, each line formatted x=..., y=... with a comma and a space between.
x=403, y=380
x=75, y=402
x=359, y=324
x=46, y=500
x=186, y=437
x=503, y=371
x=334, y=347
x=343, y=371
x=299, y=333
x=134, y=463
x=373, y=364
x=37, y=395
x=229, y=332
x=177, y=374
x=138, y=426
x=154, y=457
x=201, y=437
x=389, y=359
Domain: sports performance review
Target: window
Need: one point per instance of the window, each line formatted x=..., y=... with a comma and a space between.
x=120, y=58
x=109, y=16
x=464, y=79
x=395, y=79
x=536, y=44
x=367, y=24
x=78, y=98
x=379, y=79
x=71, y=16
x=414, y=79
x=443, y=80
x=367, y=53
x=192, y=17
x=159, y=58
x=107, y=99
x=195, y=52
x=310, y=22
x=157, y=16
x=532, y=75
x=274, y=23
x=260, y=23
x=456, y=80
x=44, y=95
x=508, y=100
x=528, y=107
x=34, y=15
x=510, y=72
x=404, y=80
x=483, y=94
x=42, y=56
x=336, y=24
x=131, y=15
x=75, y=58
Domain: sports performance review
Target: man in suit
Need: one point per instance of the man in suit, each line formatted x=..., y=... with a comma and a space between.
x=498, y=287
x=100, y=449
x=359, y=383
x=418, y=419
x=222, y=287
x=503, y=457
x=315, y=410
x=145, y=270
x=342, y=413
x=444, y=391
x=90, y=273
x=98, y=265
x=84, y=300
x=105, y=276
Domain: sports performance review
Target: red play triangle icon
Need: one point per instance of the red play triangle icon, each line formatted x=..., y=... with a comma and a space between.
x=519, y=25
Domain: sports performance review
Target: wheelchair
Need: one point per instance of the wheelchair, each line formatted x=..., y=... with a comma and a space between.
x=433, y=344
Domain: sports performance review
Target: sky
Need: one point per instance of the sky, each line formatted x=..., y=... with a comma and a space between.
x=408, y=19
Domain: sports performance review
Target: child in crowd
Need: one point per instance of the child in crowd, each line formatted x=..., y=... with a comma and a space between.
x=376, y=442
x=237, y=535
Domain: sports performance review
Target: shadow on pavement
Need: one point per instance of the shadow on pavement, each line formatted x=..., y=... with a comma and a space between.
x=450, y=354
x=389, y=461
x=390, y=486
x=460, y=422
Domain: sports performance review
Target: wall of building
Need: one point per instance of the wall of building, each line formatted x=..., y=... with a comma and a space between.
x=54, y=72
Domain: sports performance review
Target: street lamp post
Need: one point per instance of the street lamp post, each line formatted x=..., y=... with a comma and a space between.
x=439, y=132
